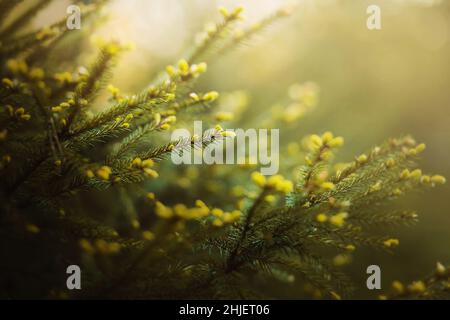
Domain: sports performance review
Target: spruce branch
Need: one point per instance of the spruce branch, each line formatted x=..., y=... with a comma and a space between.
x=6, y=6
x=230, y=264
x=23, y=20
x=93, y=82
x=243, y=36
x=216, y=34
x=143, y=233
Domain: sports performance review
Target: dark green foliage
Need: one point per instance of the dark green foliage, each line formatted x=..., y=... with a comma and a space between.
x=80, y=188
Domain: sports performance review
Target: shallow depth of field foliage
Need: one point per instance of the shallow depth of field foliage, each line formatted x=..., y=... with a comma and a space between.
x=86, y=175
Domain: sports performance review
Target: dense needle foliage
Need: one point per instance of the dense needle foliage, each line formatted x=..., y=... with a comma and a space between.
x=96, y=189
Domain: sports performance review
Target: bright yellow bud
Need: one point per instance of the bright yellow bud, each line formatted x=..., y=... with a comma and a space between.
x=258, y=179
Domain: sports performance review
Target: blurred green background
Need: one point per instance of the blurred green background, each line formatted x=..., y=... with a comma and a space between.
x=373, y=85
